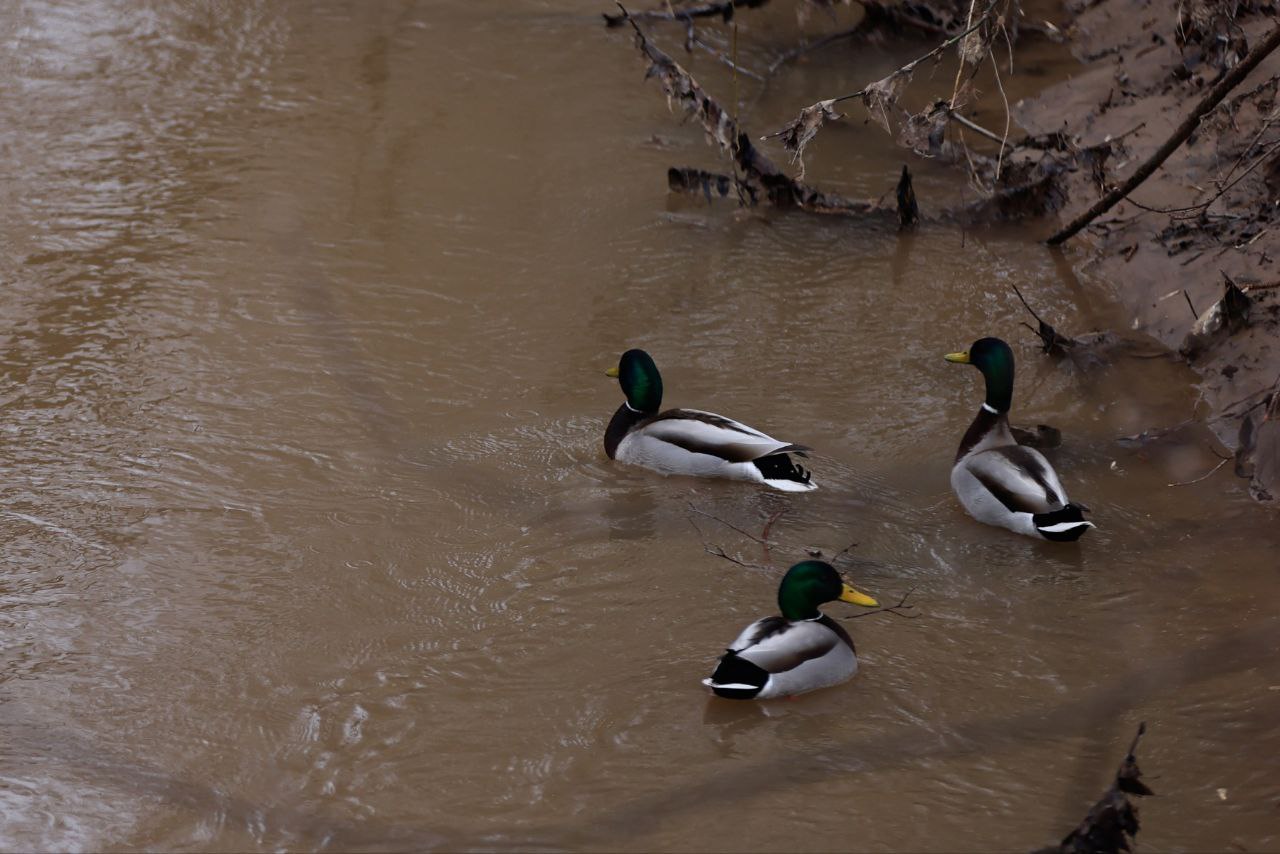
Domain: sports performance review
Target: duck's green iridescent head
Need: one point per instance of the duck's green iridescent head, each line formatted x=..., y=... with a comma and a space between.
x=640, y=380
x=994, y=358
x=811, y=583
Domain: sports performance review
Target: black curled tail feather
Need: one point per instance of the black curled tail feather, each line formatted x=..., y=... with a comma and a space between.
x=780, y=467
x=1064, y=525
x=736, y=678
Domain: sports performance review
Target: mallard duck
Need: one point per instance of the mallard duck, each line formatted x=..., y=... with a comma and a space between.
x=800, y=651
x=999, y=481
x=689, y=441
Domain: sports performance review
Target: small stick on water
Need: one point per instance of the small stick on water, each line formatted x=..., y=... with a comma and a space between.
x=1201, y=477
x=769, y=524
x=843, y=552
x=1023, y=300
x=719, y=552
x=765, y=533
x=1195, y=315
x=896, y=610
x=730, y=525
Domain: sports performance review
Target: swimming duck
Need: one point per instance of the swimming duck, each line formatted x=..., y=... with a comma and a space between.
x=689, y=441
x=999, y=481
x=800, y=651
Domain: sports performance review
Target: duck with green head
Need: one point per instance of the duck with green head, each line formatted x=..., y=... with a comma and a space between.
x=999, y=481
x=801, y=650
x=690, y=441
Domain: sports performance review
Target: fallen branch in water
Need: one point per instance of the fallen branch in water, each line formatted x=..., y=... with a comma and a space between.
x=687, y=179
x=1112, y=823
x=1053, y=343
x=1204, y=476
x=1179, y=136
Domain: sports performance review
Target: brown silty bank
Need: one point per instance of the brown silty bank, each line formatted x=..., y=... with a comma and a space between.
x=1207, y=218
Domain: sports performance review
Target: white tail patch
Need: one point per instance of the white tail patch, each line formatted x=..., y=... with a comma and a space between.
x=737, y=686
x=1064, y=526
x=790, y=485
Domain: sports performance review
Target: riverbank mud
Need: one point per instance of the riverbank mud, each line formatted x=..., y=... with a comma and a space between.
x=1192, y=251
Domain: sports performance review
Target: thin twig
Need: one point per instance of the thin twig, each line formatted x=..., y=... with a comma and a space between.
x=896, y=610
x=1200, y=206
x=738, y=69
x=1195, y=315
x=815, y=45
x=910, y=66
x=1027, y=307
x=955, y=90
x=769, y=524
x=979, y=129
x=995, y=67
x=843, y=552
x=1256, y=138
x=730, y=525
x=719, y=552
x=1201, y=477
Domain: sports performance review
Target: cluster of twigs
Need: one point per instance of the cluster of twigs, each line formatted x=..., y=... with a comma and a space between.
x=901, y=609
x=881, y=97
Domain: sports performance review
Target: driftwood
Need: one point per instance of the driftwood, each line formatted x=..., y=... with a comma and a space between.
x=1112, y=824
x=1228, y=82
x=687, y=179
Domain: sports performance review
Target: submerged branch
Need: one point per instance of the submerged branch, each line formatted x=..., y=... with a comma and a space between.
x=730, y=525
x=723, y=9
x=1112, y=824
x=1054, y=343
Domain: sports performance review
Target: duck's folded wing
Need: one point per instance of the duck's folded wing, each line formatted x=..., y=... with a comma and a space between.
x=707, y=433
x=778, y=646
x=1020, y=479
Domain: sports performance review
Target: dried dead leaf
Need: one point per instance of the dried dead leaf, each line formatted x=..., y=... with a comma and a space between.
x=974, y=48
x=797, y=135
x=882, y=96
x=924, y=132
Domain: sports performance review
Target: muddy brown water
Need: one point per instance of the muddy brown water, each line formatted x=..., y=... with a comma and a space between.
x=309, y=538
